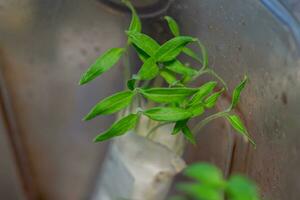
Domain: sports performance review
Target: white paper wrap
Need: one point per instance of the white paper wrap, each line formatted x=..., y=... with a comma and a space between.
x=138, y=168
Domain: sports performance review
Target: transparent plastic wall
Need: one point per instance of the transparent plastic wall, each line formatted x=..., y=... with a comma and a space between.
x=261, y=39
x=46, y=45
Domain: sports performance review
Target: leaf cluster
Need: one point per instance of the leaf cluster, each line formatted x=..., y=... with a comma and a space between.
x=171, y=102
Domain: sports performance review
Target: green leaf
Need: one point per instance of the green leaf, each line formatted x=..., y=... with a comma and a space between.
x=173, y=25
x=172, y=48
x=131, y=84
x=118, y=128
x=205, y=173
x=237, y=92
x=192, y=54
x=102, y=64
x=149, y=70
x=111, y=104
x=177, y=67
x=203, y=91
x=168, y=95
x=144, y=42
x=169, y=76
x=179, y=125
x=135, y=24
x=141, y=54
x=188, y=134
x=239, y=126
x=201, y=192
x=212, y=99
x=167, y=114
x=197, y=109
x=240, y=188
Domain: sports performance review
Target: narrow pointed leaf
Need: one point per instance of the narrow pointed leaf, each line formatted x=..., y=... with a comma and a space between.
x=144, y=42
x=135, y=24
x=118, y=128
x=172, y=48
x=188, y=134
x=173, y=25
x=237, y=92
x=141, y=54
x=168, y=76
x=178, y=126
x=203, y=91
x=239, y=126
x=168, y=114
x=111, y=104
x=102, y=64
x=168, y=95
x=177, y=67
x=149, y=70
x=191, y=53
x=212, y=99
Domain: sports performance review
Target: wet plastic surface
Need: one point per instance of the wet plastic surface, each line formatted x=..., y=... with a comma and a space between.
x=47, y=44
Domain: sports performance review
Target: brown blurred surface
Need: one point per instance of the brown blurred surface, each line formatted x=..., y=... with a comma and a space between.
x=43, y=62
x=46, y=45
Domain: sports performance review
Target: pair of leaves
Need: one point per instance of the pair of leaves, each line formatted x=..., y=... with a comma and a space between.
x=120, y=100
x=182, y=126
x=176, y=32
x=167, y=52
x=235, y=120
x=164, y=114
x=210, y=185
x=202, y=92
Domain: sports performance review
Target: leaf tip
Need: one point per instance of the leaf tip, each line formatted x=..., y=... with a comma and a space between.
x=82, y=80
x=96, y=140
x=87, y=117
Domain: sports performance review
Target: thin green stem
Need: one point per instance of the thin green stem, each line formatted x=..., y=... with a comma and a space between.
x=202, y=123
x=126, y=62
x=213, y=73
x=204, y=55
x=155, y=128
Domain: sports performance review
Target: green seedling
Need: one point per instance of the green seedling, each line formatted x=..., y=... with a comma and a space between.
x=170, y=102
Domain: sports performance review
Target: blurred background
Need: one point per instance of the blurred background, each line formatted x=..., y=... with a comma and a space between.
x=46, y=151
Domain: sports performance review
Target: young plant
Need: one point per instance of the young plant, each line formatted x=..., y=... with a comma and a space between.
x=209, y=184
x=171, y=102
